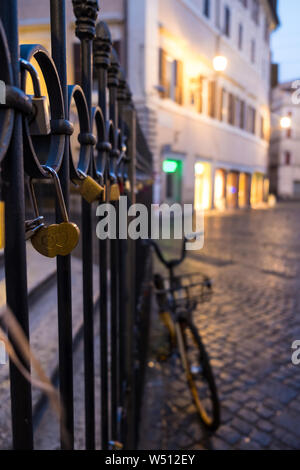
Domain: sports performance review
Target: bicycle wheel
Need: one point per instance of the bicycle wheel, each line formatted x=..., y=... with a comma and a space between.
x=199, y=374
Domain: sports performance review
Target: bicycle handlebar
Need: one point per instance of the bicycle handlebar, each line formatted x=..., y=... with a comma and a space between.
x=174, y=262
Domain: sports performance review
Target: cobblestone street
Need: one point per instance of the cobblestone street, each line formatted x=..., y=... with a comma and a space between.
x=248, y=328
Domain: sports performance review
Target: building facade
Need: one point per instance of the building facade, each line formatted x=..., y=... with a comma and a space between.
x=285, y=142
x=208, y=131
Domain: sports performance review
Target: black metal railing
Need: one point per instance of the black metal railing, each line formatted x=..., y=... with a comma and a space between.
x=35, y=144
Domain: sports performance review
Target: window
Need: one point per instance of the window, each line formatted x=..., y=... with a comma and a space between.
x=222, y=114
x=212, y=99
x=287, y=158
x=200, y=95
x=218, y=14
x=178, y=81
x=289, y=130
x=251, y=120
x=240, y=37
x=262, y=127
x=267, y=30
x=253, y=51
x=170, y=77
x=242, y=115
x=231, y=109
x=206, y=8
x=239, y=113
x=227, y=21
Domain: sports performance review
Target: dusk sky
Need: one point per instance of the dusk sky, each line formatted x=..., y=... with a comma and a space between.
x=286, y=40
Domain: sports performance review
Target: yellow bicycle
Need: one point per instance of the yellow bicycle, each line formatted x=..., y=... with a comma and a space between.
x=178, y=297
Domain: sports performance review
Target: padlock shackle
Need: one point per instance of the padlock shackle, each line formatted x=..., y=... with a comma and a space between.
x=59, y=192
x=85, y=138
x=26, y=65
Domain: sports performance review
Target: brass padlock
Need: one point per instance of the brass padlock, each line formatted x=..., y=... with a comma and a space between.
x=114, y=194
x=89, y=189
x=56, y=239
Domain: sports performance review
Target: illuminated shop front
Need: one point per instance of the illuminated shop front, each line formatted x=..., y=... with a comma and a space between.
x=202, y=185
x=232, y=190
x=244, y=189
x=257, y=189
x=220, y=189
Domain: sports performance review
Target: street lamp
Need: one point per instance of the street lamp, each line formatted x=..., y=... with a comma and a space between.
x=285, y=122
x=220, y=63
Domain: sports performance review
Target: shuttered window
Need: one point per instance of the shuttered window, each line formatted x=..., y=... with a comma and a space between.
x=212, y=99
x=178, y=81
x=163, y=73
x=170, y=77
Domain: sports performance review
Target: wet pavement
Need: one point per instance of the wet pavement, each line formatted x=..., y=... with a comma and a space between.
x=248, y=329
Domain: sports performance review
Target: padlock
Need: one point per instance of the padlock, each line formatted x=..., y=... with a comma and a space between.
x=39, y=122
x=89, y=189
x=56, y=239
x=114, y=194
x=127, y=186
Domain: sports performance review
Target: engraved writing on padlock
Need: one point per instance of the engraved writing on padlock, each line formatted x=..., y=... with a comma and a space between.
x=56, y=239
x=89, y=189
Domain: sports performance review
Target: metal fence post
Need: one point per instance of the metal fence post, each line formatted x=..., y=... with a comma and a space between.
x=15, y=253
x=114, y=277
x=102, y=49
x=64, y=293
x=86, y=15
x=130, y=121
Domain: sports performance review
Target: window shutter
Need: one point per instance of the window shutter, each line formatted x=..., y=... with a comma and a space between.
x=179, y=81
x=212, y=99
x=162, y=73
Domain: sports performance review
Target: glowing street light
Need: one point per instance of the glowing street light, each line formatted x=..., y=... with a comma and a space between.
x=220, y=63
x=285, y=122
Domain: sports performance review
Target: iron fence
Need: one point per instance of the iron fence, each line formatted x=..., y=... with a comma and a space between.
x=112, y=159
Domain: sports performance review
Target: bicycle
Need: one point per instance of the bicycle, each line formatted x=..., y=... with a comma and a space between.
x=177, y=302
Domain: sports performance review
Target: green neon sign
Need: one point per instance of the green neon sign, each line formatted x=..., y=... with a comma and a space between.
x=170, y=166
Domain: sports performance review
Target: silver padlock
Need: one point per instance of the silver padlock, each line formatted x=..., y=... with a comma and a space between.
x=39, y=123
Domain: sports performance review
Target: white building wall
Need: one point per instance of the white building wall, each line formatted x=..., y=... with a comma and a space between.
x=285, y=101
x=180, y=28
